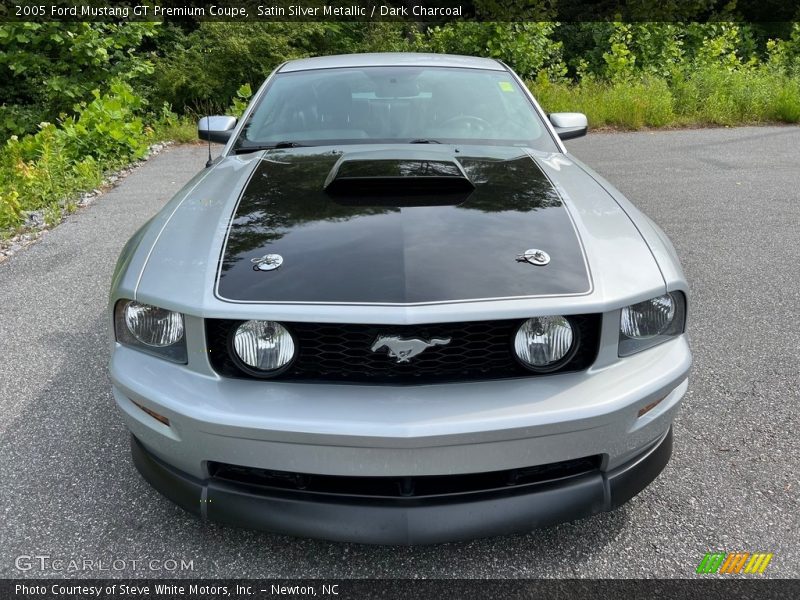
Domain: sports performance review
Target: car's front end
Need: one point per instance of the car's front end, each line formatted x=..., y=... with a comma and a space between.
x=390, y=343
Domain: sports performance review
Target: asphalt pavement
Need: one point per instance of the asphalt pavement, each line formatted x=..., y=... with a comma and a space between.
x=728, y=198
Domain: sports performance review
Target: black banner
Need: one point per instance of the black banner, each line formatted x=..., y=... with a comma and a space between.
x=345, y=589
x=428, y=11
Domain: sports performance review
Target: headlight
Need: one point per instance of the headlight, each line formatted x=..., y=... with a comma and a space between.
x=647, y=319
x=150, y=329
x=153, y=326
x=545, y=343
x=263, y=348
x=646, y=324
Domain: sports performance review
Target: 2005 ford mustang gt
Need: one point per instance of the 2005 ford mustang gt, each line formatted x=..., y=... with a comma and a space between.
x=396, y=310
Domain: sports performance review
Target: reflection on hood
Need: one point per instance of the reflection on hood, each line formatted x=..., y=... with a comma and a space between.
x=398, y=227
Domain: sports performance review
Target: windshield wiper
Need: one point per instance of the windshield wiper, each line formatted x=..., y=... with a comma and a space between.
x=285, y=144
x=424, y=141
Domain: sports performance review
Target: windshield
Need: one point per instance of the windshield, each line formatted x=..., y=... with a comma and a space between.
x=394, y=105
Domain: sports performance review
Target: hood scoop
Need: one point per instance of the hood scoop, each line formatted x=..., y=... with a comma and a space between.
x=398, y=179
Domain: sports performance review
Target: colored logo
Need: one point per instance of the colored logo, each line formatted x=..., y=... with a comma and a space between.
x=734, y=562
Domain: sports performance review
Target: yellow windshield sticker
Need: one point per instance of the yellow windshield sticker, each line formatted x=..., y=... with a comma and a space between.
x=506, y=86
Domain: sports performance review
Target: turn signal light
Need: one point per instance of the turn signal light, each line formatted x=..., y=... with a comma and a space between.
x=154, y=414
x=649, y=407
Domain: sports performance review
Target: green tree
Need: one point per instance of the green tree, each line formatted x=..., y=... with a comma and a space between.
x=202, y=70
x=527, y=47
x=46, y=68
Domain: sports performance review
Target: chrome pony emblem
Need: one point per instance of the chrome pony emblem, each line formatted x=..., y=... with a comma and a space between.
x=404, y=349
x=268, y=262
x=535, y=257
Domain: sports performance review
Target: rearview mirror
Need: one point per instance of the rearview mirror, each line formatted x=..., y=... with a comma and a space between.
x=216, y=129
x=569, y=125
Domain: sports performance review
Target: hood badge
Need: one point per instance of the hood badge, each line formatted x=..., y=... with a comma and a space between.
x=535, y=257
x=268, y=262
x=404, y=349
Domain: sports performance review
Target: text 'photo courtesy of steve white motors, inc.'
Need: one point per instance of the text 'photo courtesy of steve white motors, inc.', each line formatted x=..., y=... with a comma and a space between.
x=174, y=590
x=192, y=590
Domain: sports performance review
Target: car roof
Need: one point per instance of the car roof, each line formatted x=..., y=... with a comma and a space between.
x=391, y=59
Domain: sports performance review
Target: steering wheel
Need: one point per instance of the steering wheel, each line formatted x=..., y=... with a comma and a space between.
x=471, y=121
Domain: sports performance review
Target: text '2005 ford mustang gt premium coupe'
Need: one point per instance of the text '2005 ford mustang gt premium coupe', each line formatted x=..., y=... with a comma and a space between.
x=396, y=310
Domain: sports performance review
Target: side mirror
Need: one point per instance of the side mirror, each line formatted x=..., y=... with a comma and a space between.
x=569, y=125
x=216, y=129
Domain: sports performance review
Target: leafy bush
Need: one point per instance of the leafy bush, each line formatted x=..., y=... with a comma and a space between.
x=720, y=96
x=202, y=70
x=657, y=74
x=10, y=209
x=527, y=47
x=109, y=128
x=46, y=169
x=785, y=104
x=111, y=89
x=660, y=63
x=784, y=54
x=181, y=129
x=46, y=68
x=243, y=95
x=709, y=96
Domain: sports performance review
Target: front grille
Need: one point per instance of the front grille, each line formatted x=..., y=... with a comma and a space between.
x=336, y=352
x=422, y=486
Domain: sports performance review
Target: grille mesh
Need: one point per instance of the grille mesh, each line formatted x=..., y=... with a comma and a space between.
x=265, y=480
x=336, y=352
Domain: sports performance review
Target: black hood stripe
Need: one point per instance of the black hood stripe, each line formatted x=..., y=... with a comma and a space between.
x=389, y=252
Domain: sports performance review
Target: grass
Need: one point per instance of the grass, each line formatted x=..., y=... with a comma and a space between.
x=48, y=170
x=182, y=130
x=629, y=106
x=712, y=96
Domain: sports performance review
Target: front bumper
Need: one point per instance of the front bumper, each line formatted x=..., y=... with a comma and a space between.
x=412, y=431
x=406, y=521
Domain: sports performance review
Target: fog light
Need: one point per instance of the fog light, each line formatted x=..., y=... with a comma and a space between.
x=544, y=343
x=263, y=348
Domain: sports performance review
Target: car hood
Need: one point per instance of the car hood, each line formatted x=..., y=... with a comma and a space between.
x=361, y=225
x=400, y=226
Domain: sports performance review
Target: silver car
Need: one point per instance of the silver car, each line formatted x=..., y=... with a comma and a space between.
x=396, y=310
